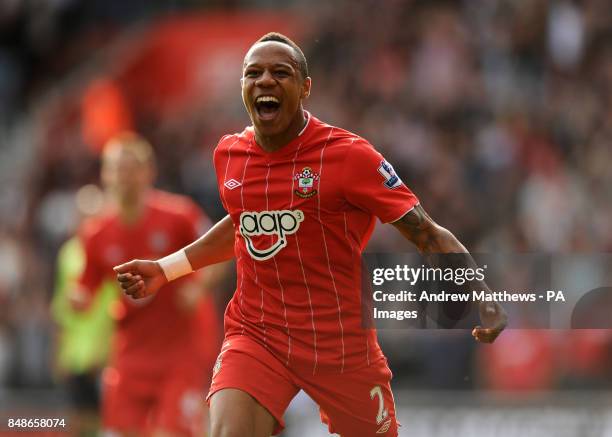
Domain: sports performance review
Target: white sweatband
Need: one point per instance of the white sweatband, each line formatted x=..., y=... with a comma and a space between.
x=175, y=265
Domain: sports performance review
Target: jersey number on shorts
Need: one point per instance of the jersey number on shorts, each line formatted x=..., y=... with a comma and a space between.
x=382, y=411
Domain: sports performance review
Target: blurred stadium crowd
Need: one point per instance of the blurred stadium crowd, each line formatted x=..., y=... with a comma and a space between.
x=497, y=113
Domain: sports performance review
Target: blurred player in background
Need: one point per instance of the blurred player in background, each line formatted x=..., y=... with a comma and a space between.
x=83, y=337
x=302, y=197
x=165, y=345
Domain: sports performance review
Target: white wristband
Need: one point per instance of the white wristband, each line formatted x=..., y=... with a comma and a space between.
x=175, y=265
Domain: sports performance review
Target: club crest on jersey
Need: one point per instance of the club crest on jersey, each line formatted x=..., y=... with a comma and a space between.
x=279, y=223
x=306, y=183
x=392, y=180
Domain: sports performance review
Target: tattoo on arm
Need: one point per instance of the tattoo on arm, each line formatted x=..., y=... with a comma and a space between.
x=415, y=226
x=429, y=237
x=413, y=220
x=433, y=241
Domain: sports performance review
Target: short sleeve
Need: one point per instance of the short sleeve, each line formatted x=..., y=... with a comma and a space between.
x=93, y=272
x=371, y=184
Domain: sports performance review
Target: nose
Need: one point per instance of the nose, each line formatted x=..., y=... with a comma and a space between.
x=266, y=79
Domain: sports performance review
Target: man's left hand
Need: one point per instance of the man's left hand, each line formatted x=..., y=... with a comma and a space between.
x=494, y=319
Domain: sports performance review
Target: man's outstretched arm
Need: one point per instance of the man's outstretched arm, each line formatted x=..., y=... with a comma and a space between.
x=430, y=239
x=140, y=278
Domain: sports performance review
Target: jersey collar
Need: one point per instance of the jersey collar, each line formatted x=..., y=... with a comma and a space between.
x=291, y=147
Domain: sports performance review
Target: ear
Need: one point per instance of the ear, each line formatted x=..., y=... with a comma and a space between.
x=306, y=88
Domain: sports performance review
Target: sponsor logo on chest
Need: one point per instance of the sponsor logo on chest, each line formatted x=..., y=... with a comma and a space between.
x=279, y=223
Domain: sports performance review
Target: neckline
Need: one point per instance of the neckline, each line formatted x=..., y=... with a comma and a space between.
x=292, y=145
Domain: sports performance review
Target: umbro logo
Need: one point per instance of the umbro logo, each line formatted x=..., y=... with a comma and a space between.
x=385, y=427
x=231, y=184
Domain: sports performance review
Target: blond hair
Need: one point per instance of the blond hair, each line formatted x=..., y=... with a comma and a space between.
x=132, y=142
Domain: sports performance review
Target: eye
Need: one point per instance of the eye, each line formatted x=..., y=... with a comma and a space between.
x=251, y=73
x=282, y=73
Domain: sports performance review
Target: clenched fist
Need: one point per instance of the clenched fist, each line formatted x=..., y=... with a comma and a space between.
x=140, y=278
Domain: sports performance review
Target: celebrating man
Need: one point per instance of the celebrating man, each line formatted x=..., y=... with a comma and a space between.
x=302, y=197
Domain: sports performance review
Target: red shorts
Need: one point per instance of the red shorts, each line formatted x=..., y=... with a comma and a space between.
x=173, y=403
x=355, y=403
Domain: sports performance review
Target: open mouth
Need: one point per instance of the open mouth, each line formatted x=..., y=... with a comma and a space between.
x=267, y=107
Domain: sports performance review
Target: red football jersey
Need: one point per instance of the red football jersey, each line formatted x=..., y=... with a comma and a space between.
x=154, y=331
x=303, y=215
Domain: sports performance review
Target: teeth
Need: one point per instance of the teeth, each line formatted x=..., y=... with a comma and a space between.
x=262, y=99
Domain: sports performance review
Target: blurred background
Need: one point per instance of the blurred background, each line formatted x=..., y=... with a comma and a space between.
x=497, y=113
